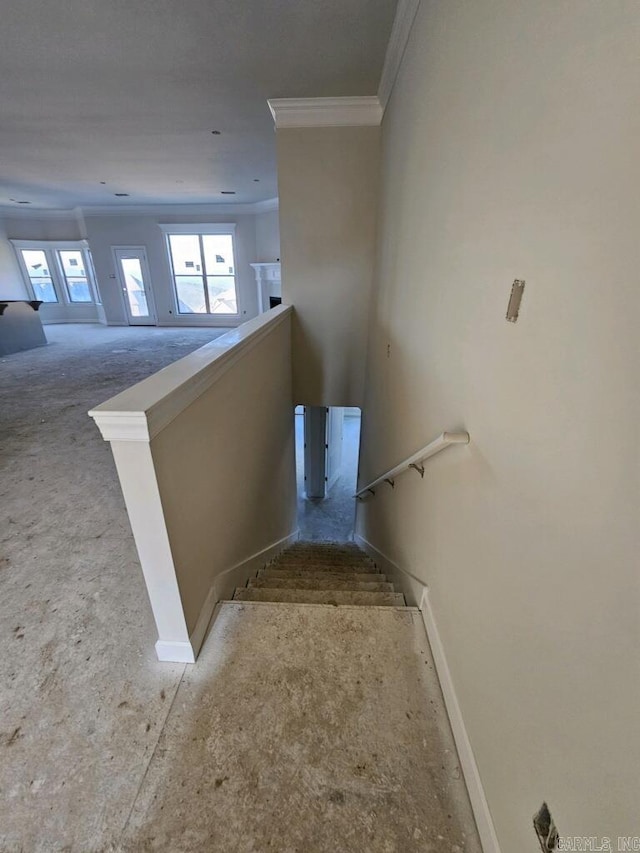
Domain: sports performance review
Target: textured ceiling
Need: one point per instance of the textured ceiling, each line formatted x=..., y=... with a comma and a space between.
x=128, y=92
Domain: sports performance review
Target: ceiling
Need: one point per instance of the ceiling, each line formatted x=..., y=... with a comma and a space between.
x=128, y=92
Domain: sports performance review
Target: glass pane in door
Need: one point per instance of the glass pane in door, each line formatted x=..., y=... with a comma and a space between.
x=134, y=287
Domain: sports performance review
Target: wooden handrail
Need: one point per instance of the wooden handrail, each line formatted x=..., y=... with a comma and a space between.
x=413, y=461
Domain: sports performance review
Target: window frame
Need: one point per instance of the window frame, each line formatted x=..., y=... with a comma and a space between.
x=201, y=230
x=51, y=248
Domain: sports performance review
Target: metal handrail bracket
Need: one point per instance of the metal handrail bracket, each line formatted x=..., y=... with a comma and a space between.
x=414, y=461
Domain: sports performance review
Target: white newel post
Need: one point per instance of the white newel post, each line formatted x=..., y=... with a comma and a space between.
x=128, y=435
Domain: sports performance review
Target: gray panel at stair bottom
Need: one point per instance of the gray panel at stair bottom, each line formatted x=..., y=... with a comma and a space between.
x=309, y=574
x=316, y=596
x=325, y=583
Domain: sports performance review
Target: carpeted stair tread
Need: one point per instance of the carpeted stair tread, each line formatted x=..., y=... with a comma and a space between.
x=320, y=596
x=323, y=584
x=357, y=577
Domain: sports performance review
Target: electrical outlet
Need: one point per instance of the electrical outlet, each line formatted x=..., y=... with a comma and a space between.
x=545, y=829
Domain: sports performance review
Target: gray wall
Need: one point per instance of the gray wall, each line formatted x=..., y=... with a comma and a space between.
x=103, y=232
x=268, y=237
x=47, y=228
x=510, y=150
x=11, y=283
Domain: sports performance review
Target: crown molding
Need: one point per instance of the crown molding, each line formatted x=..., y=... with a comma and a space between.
x=359, y=111
x=8, y=212
x=400, y=32
x=181, y=209
x=267, y=206
x=81, y=213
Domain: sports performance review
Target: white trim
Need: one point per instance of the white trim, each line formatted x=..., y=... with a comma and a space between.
x=54, y=322
x=417, y=591
x=197, y=227
x=140, y=252
x=50, y=244
x=139, y=413
x=139, y=483
x=79, y=213
x=226, y=582
x=411, y=586
x=174, y=652
x=402, y=24
x=267, y=206
x=444, y=440
x=28, y=212
x=242, y=208
x=479, y=805
x=360, y=111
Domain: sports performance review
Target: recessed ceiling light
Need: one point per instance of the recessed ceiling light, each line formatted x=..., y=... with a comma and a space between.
x=216, y=132
x=227, y=192
x=122, y=195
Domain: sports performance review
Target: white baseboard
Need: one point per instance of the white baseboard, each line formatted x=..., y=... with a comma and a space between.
x=94, y=321
x=175, y=652
x=416, y=592
x=411, y=587
x=479, y=804
x=222, y=588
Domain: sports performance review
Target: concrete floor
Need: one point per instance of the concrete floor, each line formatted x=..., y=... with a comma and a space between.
x=102, y=748
x=306, y=729
x=82, y=698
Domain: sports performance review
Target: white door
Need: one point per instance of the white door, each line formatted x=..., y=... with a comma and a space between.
x=133, y=277
x=335, y=428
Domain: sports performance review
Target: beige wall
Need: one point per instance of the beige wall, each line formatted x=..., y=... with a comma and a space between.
x=225, y=469
x=510, y=150
x=327, y=180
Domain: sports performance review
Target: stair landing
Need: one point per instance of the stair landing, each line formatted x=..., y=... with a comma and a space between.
x=306, y=728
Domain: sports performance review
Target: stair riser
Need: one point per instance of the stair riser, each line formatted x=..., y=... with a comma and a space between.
x=325, y=584
x=321, y=569
x=355, y=552
x=319, y=561
x=334, y=597
x=356, y=577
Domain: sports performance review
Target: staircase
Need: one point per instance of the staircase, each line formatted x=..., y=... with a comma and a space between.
x=322, y=573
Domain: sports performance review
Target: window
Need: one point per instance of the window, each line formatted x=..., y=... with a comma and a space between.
x=37, y=266
x=203, y=265
x=75, y=278
x=60, y=272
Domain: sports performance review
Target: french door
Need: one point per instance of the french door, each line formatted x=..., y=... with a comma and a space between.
x=133, y=276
